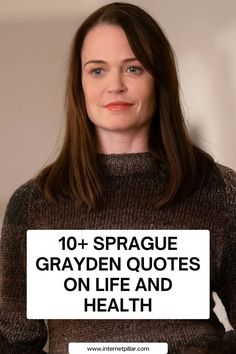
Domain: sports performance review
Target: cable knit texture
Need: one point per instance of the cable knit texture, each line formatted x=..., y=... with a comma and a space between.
x=131, y=183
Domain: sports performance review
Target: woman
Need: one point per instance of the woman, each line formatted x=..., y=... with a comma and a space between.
x=127, y=163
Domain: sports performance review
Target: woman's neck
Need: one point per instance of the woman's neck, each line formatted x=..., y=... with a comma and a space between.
x=113, y=142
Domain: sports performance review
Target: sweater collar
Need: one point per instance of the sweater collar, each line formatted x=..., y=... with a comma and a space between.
x=127, y=164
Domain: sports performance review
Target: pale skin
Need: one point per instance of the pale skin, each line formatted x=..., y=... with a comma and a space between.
x=119, y=92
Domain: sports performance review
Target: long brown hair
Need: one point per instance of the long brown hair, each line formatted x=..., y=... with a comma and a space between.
x=75, y=172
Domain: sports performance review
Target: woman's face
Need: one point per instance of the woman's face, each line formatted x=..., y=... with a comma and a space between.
x=119, y=92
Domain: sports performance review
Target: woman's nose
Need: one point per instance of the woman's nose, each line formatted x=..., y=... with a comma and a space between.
x=116, y=83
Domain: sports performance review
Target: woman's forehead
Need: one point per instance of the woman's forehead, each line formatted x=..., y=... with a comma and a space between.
x=106, y=41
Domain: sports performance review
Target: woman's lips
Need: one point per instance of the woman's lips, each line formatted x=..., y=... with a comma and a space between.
x=118, y=106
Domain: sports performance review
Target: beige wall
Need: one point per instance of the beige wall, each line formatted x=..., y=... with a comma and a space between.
x=34, y=41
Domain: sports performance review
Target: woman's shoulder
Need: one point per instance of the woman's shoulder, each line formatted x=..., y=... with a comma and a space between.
x=224, y=180
x=17, y=207
x=219, y=186
x=22, y=194
x=227, y=176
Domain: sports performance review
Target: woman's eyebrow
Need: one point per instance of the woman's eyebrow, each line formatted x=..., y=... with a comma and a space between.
x=96, y=61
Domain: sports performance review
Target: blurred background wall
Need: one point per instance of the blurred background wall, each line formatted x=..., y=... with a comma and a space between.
x=35, y=37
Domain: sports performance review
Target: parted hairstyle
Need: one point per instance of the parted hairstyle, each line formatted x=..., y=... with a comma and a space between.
x=75, y=173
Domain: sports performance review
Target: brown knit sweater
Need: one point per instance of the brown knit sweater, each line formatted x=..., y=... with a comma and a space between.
x=131, y=182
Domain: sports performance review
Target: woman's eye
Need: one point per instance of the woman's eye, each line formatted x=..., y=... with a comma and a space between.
x=135, y=69
x=96, y=72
